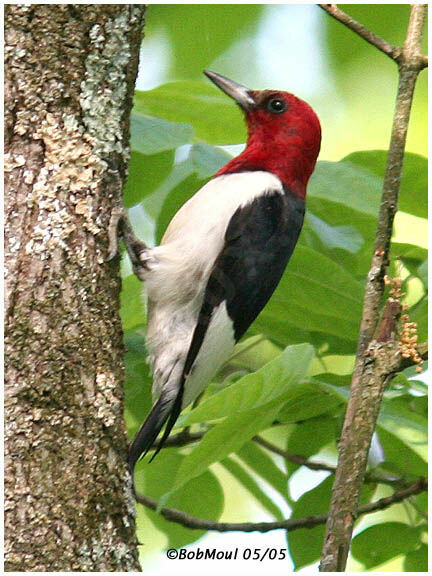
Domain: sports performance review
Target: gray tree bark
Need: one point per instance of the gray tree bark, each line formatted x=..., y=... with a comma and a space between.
x=70, y=72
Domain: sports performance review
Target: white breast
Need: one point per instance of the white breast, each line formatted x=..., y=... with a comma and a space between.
x=179, y=273
x=195, y=236
x=214, y=352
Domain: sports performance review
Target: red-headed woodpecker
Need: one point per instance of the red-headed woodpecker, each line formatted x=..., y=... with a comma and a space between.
x=224, y=253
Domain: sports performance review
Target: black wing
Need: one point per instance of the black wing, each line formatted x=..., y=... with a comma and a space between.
x=259, y=241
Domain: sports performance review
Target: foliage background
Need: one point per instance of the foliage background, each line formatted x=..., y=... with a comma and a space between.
x=183, y=130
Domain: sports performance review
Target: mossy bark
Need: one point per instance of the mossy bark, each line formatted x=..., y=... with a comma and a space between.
x=70, y=72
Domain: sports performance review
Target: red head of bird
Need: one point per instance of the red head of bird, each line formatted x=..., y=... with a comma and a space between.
x=284, y=134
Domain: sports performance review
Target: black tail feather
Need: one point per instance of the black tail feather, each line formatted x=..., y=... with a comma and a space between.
x=148, y=433
x=174, y=414
x=164, y=410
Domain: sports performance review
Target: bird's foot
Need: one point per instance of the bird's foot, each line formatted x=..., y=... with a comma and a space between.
x=118, y=212
x=138, y=251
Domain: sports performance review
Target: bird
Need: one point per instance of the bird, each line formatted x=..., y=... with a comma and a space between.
x=224, y=253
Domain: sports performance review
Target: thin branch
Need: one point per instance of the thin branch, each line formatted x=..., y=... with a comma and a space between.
x=185, y=437
x=377, y=353
x=370, y=478
x=194, y=523
x=416, y=488
x=295, y=458
x=392, y=51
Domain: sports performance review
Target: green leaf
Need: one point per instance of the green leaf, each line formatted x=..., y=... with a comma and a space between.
x=417, y=560
x=421, y=505
x=132, y=310
x=177, y=196
x=250, y=408
x=345, y=237
x=334, y=379
x=400, y=457
x=349, y=191
x=398, y=418
x=419, y=314
x=413, y=257
x=305, y=544
x=278, y=330
x=416, y=255
x=252, y=486
x=258, y=460
x=413, y=191
x=419, y=404
x=344, y=258
x=295, y=304
x=275, y=380
x=346, y=183
x=154, y=203
x=308, y=437
x=151, y=135
x=401, y=410
x=213, y=115
x=310, y=400
x=224, y=439
x=252, y=353
x=201, y=497
x=337, y=214
x=382, y=542
x=422, y=273
x=310, y=273
x=207, y=160
x=146, y=173
x=138, y=384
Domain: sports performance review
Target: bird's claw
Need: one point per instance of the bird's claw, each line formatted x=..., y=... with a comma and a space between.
x=117, y=214
x=119, y=225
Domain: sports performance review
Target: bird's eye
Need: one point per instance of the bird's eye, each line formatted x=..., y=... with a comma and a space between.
x=276, y=105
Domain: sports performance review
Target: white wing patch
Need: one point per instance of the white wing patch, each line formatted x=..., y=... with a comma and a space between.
x=215, y=350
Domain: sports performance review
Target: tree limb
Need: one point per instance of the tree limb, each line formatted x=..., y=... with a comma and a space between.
x=392, y=51
x=323, y=466
x=289, y=525
x=295, y=458
x=378, y=354
x=69, y=79
x=186, y=437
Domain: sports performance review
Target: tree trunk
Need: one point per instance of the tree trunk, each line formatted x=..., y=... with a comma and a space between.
x=70, y=72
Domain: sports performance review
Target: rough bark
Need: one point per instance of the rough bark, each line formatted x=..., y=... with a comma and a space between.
x=70, y=72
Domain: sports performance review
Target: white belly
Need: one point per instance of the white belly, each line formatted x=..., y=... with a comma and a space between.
x=214, y=352
x=178, y=277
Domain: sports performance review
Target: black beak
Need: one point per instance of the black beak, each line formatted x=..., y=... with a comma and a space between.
x=238, y=92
